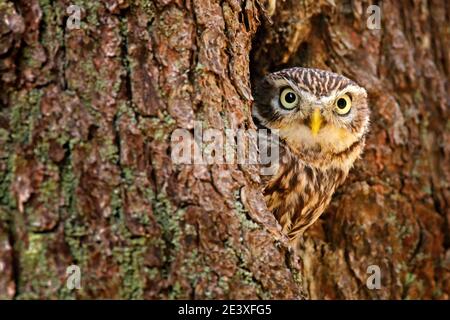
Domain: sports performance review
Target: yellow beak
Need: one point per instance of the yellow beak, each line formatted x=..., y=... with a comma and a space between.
x=316, y=121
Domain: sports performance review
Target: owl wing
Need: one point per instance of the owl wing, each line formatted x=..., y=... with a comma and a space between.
x=297, y=194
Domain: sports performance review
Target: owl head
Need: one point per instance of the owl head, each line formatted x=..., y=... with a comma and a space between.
x=316, y=112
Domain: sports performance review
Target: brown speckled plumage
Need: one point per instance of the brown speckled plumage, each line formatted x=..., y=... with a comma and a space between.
x=312, y=164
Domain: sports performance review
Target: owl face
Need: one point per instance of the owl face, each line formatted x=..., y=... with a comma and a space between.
x=314, y=110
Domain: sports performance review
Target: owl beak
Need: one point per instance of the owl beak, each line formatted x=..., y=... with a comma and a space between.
x=316, y=121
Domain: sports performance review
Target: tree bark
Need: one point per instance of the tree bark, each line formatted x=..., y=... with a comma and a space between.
x=393, y=211
x=87, y=178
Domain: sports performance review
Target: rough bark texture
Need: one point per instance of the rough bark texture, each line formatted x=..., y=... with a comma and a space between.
x=393, y=211
x=86, y=176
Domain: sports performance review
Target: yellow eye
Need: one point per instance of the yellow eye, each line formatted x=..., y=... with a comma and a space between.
x=343, y=105
x=288, y=98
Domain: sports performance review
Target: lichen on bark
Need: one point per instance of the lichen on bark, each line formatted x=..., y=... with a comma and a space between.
x=86, y=176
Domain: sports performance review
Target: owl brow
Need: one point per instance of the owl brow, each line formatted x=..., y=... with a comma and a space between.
x=296, y=87
x=293, y=85
x=351, y=88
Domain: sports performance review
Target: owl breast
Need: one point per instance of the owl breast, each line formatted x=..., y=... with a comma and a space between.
x=299, y=193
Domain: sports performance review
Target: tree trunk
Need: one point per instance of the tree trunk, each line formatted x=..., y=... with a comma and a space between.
x=393, y=211
x=86, y=173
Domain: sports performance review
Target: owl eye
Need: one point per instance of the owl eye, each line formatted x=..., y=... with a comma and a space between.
x=343, y=105
x=288, y=98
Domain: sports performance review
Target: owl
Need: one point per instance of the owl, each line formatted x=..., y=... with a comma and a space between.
x=321, y=120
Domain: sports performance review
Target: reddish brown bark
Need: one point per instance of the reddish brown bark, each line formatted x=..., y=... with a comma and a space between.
x=393, y=211
x=86, y=176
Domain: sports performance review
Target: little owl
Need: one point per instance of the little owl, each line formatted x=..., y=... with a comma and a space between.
x=321, y=119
